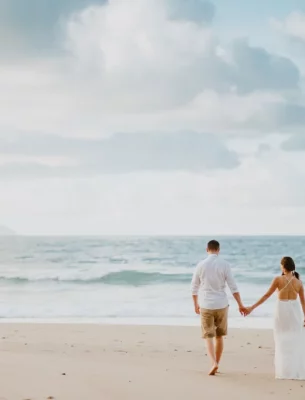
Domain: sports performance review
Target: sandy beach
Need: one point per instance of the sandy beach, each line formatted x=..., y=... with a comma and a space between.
x=82, y=362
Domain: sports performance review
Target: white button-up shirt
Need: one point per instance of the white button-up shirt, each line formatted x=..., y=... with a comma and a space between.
x=209, y=282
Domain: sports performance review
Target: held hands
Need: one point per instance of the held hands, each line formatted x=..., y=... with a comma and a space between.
x=249, y=310
x=245, y=311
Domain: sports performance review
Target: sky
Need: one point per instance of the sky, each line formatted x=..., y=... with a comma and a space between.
x=152, y=117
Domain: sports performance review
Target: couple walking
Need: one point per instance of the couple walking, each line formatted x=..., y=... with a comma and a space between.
x=209, y=282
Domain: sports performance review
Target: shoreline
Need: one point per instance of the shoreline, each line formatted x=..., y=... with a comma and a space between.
x=249, y=323
x=78, y=362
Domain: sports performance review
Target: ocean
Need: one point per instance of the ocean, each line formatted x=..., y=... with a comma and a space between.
x=136, y=280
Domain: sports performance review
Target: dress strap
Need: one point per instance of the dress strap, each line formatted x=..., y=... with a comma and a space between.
x=288, y=283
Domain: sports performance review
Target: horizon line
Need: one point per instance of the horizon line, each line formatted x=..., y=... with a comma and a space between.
x=157, y=235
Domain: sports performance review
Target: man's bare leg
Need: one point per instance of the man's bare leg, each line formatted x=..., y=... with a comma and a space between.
x=218, y=348
x=211, y=352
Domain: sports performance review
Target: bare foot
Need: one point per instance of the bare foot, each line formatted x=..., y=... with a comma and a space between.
x=213, y=370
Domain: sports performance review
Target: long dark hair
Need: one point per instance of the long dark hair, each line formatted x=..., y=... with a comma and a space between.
x=289, y=265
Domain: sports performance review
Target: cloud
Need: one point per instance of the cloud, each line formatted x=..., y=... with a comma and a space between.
x=199, y=11
x=155, y=70
x=293, y=26
x=263, y=149
x=146, y=118
x=294, y=143
x=278, y=116
x=30, y=27
x=156, y=53
x=257, y=69
x=120, y=153
x=250, y=200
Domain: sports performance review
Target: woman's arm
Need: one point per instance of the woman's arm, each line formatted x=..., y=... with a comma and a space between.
x=302, y=299
x=272, y=289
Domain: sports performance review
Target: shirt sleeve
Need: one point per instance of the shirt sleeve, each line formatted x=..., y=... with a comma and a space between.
x=195, y=282
x=230, y=280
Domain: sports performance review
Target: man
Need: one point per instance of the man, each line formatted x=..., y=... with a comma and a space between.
x=209, y=280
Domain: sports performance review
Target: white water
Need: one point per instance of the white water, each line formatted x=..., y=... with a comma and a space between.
x=130, y=280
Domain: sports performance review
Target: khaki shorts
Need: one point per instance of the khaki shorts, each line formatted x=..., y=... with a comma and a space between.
x=214, y=322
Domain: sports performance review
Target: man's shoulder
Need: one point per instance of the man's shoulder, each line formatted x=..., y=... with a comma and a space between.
x=223, y=261
x=200, y=264
x=219, y=260
x=203, y=261
x=208, y=260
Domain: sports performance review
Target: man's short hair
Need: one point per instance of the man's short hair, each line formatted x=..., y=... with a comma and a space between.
x=213, y=245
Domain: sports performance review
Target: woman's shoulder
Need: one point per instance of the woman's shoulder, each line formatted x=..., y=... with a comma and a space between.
x=283, y=278
x=298, y=281
x=279, y=280
x=276, y=280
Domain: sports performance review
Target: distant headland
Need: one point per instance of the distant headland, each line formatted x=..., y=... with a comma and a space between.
x=5, y=231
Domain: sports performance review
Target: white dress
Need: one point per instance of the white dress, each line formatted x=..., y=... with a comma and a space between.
x=289, y=338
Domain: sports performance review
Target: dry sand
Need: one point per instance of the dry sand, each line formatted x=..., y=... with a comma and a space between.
x=92, y=362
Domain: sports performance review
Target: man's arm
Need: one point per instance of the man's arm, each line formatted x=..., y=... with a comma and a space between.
x=234, y=290
x=237, y=297
x=195, y=288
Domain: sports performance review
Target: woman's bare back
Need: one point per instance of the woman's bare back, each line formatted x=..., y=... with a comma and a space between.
x=288, y=288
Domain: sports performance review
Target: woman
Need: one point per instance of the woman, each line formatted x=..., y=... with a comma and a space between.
x=289, y=331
